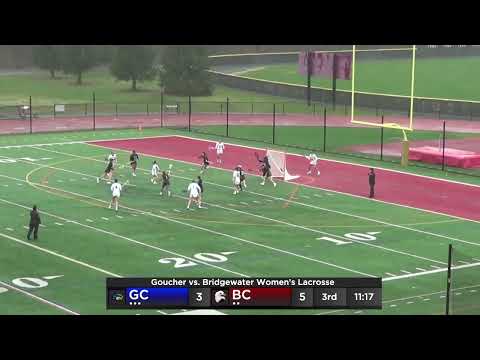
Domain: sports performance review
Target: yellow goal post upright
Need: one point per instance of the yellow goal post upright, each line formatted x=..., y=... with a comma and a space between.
x=405, y=142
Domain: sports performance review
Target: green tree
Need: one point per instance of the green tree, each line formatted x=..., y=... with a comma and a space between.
x=184, y=71
x=47, y=57
x=77, y=59
x=133, y=63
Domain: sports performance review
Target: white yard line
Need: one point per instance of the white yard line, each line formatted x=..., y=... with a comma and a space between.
x=84, y=264
x=130, y=239
x=38, y=298
x=321, y=232
x=203, y=229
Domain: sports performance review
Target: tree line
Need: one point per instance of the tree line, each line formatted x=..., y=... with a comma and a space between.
x=180, y=70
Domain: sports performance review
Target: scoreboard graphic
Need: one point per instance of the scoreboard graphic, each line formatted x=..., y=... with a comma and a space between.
x=232, y=293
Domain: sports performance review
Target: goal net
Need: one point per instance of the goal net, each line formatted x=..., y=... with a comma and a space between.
x=278, y=164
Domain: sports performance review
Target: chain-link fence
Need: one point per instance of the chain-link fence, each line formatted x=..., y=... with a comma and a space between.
x=438, y=142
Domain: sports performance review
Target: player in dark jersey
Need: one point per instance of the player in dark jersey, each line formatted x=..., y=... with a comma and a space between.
x=266, y=172
x=134, y=162
x=108, y=172
x=165, y=183
x=200, y=184
x=243, y=178
x=205, y=163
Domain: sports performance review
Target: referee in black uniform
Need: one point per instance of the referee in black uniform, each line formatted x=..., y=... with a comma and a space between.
x=34, y=223
x=371, y=182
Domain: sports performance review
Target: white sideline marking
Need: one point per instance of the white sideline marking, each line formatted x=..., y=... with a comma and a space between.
x=119, y=216
x=429, y=272
x=132, y=240
x=36, y=297
x=9, y=229
x=89, y=220
x=420, y=269
x=256, y=202
x=160, y=211
x=244, y=203
x=435, y=267
x=105, y=218
x=427, y=299
x=59, y=224
x=390, y=274
x=393, y=305
x=410, y=302
x=405, y=272
x=248, y=70
x=33, y=145
x=325, y=209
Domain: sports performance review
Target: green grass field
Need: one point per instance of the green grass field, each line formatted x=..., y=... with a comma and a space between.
x=262, y=232
x=16, y=89
x=451, y=78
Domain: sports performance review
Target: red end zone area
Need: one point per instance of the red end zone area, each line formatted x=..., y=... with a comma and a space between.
x=393, y=187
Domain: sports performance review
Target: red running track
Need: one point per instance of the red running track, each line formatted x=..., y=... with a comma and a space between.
x=51, y=124
x=405, y=189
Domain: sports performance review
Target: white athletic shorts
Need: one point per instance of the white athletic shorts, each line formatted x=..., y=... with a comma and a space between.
x=236, y=181
x=219, y=152
x=193, y=195
x=116, y=194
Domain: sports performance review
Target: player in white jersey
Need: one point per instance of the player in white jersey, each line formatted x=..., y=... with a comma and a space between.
x=220, y=147
x=155, y=172
x=116, y=190
x=194, y=192
x=236, y=180
x=313, y=158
